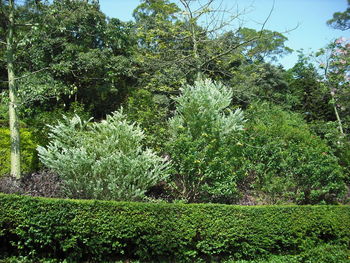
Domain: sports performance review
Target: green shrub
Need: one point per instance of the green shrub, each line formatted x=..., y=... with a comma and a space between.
x=276, y=159
x=283, y=161
x=39, y=119
x=81, y=230
x=29, y=158
x=103, y=160
x=340, y=144
x=326, y=253
x=201, y=143
x=151, y=112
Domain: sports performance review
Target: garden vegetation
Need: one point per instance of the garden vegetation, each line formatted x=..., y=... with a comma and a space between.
x=184, y=124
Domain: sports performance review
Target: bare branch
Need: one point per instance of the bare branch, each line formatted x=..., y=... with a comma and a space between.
x=268, y=17
x=229, y=50
x=243, y=43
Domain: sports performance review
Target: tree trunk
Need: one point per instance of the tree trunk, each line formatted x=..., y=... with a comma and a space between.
x=340, y=125
x=195, y=52
x=14, y=122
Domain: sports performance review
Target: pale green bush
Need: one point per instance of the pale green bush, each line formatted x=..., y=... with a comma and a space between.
x=102, y=160
x=202, y=145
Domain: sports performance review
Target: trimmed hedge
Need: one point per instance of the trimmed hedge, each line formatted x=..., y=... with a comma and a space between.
x=80, y=230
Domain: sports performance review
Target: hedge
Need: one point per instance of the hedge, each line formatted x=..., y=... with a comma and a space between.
x=79, y=230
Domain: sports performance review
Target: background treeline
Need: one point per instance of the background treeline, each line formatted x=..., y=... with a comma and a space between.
x=217, y=120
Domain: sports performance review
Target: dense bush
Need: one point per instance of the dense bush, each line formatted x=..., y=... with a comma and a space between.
x=283, y=161
x=339, y=143
x=276, y=159
x=201, y=143
x=150, y=111
x=101, y=230
x=103, y=160
x=29, y=158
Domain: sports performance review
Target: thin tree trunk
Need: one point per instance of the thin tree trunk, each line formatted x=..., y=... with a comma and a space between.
x=14, y=122
x=340, y=125
x=195, y=52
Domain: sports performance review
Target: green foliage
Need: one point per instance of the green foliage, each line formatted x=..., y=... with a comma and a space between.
x=312, y=97
x=285, y=161
x=102, y=160
x=25, y=259
x=200, y=144
x=341, y=20
x=158, y=30
x=40, y=118
x=29, y=159
x=151, y=112
x=259, y=81
x=265, y=44
x=76, y=50
x=326, y=253
x=339, y=144
x=98, y=231
x=40, y=89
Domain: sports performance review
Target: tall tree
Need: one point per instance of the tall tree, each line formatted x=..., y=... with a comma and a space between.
x=87, y=59
x=13, y=100
x=311, y=95
x=178, y=39
x=161, y=45
x=16, y=19
x=218, y=21
x=335, y=62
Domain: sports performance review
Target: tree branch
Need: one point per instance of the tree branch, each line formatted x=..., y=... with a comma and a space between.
x=229, y=50
x=243, y=43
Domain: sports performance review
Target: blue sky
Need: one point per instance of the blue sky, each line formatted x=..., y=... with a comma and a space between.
x=311, y=34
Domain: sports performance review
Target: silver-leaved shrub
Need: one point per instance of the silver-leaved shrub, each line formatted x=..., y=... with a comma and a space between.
x=203, y=143
x=104, y=160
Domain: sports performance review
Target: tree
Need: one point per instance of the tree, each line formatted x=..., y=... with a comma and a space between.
x=264, y=45
x=176, y=39
x=12, y=86
x=341, y=20
x=311, y=96
x=16, y=20
x=88, y=56
x=161, y=45
x=211, y=32
x=335, y=62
